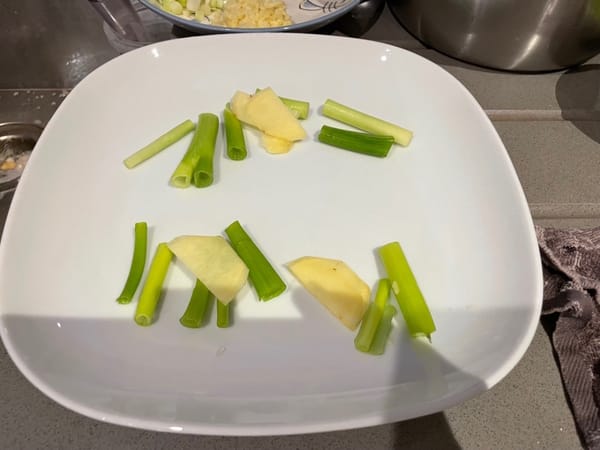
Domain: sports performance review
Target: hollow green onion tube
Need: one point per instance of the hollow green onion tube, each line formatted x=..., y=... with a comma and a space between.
x=356, y=141
x=383, y=331
x=203, y=171
x=202, y=149
x=197, y=306
x=406, y=290
x=372, y=318
x=150, y=295
x=223, y=312
x=365, y=122
x=234, y=136
x=138, y=262
x=159, y=144
x=266, y=281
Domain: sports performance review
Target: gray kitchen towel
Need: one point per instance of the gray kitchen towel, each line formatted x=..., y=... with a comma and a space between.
x=571, y=264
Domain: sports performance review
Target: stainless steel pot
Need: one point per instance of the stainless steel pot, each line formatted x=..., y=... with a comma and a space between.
x=516, y=35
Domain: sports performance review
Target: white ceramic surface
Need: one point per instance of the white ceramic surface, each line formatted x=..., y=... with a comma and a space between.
x=452, y=199
x=306, y=15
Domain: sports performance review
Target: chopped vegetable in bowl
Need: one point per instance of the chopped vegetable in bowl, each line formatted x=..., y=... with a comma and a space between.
x=231, y=13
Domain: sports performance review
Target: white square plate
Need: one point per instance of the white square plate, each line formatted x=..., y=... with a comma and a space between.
x=452, y=199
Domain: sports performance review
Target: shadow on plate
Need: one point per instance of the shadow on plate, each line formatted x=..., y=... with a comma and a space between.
x=417, y=375
x=233, y=374
x=432, y=431
x=70, y=430
x=577, y=94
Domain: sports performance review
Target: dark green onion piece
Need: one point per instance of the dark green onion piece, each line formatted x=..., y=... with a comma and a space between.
x=234, y=136
x=383, y=331
x=365, y=122
x=199, y=155
x=266, y=281
x=138, y=262
x=159, y=144
x=197, y=306
x=406, y=290
x=356, y=141
x=150, y=295
x=223, y=314
x=372, y=318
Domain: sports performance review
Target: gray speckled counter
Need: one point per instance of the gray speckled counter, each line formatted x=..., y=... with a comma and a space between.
x=549, y=124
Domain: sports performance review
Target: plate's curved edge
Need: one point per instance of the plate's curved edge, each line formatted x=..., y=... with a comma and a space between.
x=289, y=429
x=248, y=430
x=308, y=25
x=534, y=252
x=525, y=213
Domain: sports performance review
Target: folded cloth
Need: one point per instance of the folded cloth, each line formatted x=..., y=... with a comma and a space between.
x=571, y=265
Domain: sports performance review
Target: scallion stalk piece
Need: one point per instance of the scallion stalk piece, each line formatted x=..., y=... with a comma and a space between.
x=150, y=295
x=159, y=144
x=197, y=306
x=234, y=136
x=356, y=141
x=299, y=108
x=138, y=262
x=197, y=163
x=223, y=312
x=365, y=122
x=383, y=331
x=372, y=318
x=203, y=171
x=266, y=281
x=406, y=290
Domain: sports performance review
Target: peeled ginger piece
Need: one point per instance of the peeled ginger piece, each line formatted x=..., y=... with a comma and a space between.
x=335, y=286
x=265, y=110
x=212, y=260
x=275, y=145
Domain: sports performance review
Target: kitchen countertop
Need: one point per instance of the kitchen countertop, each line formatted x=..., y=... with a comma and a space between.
x=550, y=126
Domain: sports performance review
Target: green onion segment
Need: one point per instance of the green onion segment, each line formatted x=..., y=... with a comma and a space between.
x=203, y=172
x=197, y=307
x=365, y=122
x=383, y=331
x=299, y=108
x=234, y=136
x=356, y=141
x=266, y=281
x=406, y=290
x=197, y=163
x=159, y=144
x=223, y=314
x=138, y=262
x=150, y=295
x=372, y=317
